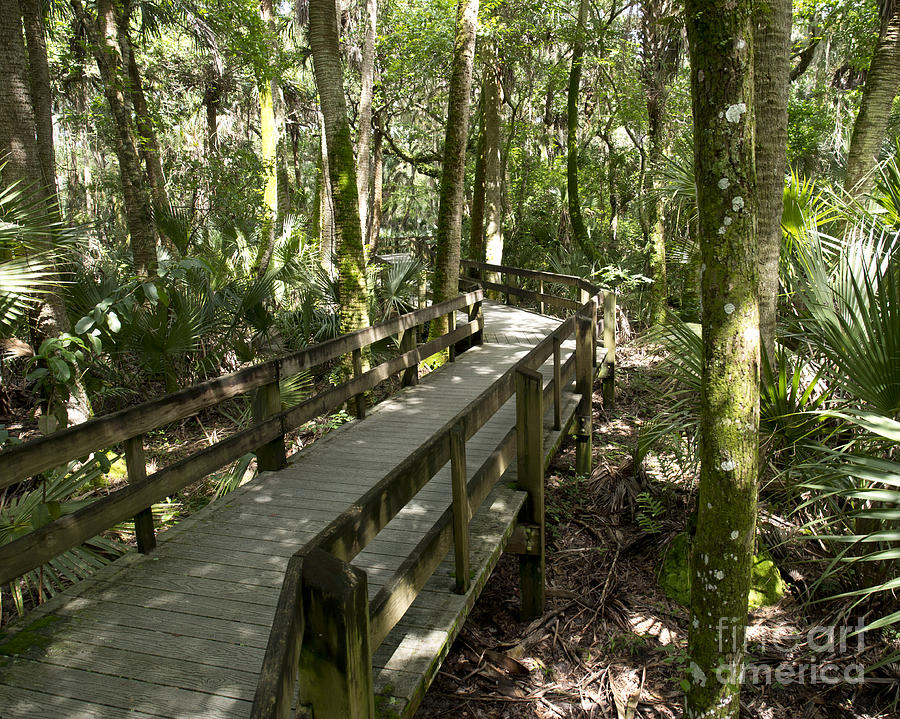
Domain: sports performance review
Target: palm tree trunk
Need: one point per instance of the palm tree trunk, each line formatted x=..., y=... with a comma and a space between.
x=449, y=222
x=882, y=83
x=268, y=131
x=771, y=76
x=721, y=48
x=324, y=43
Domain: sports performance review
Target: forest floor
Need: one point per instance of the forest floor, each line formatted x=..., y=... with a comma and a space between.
x=611, y=644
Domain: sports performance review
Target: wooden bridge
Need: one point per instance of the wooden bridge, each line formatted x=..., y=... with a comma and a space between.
x=345, y=570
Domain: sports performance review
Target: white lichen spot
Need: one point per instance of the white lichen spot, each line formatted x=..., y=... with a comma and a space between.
x=696, y=623
x=721, y=230
x=734, y=112
x=735, y=534
x=737, y=204
x=751, y=335
x=727, y=221
x=729, y=308
x=727, y=466
x=709, y=505
x=721, y=115
x=741, y=44
x=720, y=574
x=724, y=183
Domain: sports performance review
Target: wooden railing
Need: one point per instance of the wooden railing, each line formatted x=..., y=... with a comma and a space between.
x=322, y=590
x=265, y=437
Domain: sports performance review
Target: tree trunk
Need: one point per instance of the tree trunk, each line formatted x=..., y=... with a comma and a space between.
x=324, y=43
x=493, y=167
x=449, y=223
x=661, y=49
x=579, y=231
x=367, y=90
x=721, y=48
x=268, y=131
x=882, y=83
x=771, y=77
x=324, y=203
x=104, y=40
x=476, y=216
x=377, y=187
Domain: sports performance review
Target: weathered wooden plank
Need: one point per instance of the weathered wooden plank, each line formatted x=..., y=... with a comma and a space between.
x=22, y=703
x=530, y=476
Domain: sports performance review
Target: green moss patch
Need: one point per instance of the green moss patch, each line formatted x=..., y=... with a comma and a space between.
x=766, y=584
x=27, y=637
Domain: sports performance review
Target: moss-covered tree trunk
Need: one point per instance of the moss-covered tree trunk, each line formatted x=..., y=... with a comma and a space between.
x=268, y=133
x=103, y=36
x=374, y=230
x=771, y=77
x=576, y=218
x=476, y=216
x=721, y=48
x=661, y=39
x=882, y=83
x=493, y=164
x=323, y=41
x=449, y=224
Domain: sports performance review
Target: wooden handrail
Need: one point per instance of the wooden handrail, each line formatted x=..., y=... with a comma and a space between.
x=350, y=532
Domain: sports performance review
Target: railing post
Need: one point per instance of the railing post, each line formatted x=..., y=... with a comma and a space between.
x=335, y=659
x=541, y=290
x=609, y=342
x=505, y=277
x=451, y=325
x=530, y=470
x=476, y=313
x=461, y=514
x=136, y=464
x=408, y=344
x=356, y=359
x=594, y=311
x=266, y=404
x=557, y=384
x=584, y=380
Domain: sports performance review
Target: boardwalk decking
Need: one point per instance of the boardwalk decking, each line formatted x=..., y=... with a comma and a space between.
x=181, y=632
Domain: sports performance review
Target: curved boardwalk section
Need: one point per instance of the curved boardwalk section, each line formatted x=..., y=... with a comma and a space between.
x=181, y=632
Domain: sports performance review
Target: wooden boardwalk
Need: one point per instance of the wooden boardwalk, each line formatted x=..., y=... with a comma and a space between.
x=181, y=632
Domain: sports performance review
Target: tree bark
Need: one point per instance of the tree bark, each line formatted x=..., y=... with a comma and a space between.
x=103, y=36
x=579, y=231
x=374, y=232
x=771, y=77
x=493, y=165
x=324, y=43
x=449, y=223
x=268, y=131
x=882, y=83
x=662, y=47
x=367, y=91
x=476, y=217
x=721, y=49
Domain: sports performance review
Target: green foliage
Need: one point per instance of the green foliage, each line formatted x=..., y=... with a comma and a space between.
x=650, y=509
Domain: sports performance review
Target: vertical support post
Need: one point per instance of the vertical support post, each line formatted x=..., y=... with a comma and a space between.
x=335, y=660
x=136, y=464
x=461, y=513
x=505, y=277
x=609, y=342
x=266, y=404
x=557, y=384
x=584, y=380
x=356, y=359
x=451, y=325
x=530, y=470
x=476, y=313
x=541, y=290
x=408, y=344
x=594, y=333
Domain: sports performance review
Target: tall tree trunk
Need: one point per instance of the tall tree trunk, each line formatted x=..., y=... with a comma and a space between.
x=476, y=216
x=721, y=48
x=882, y=83
x=449, y=221
x=268, y=131
x=26, y=141
x=325, y=205
x=579, y=231
x=323, y=41
x=212, y=99
x=771, y=77
x=661, y=40
x=104, y=40
x=367, y=90
x=493, y=166
x=374, y=232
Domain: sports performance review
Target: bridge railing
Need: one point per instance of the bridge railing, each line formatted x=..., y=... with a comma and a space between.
x=325, y=629
x=266, y=437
